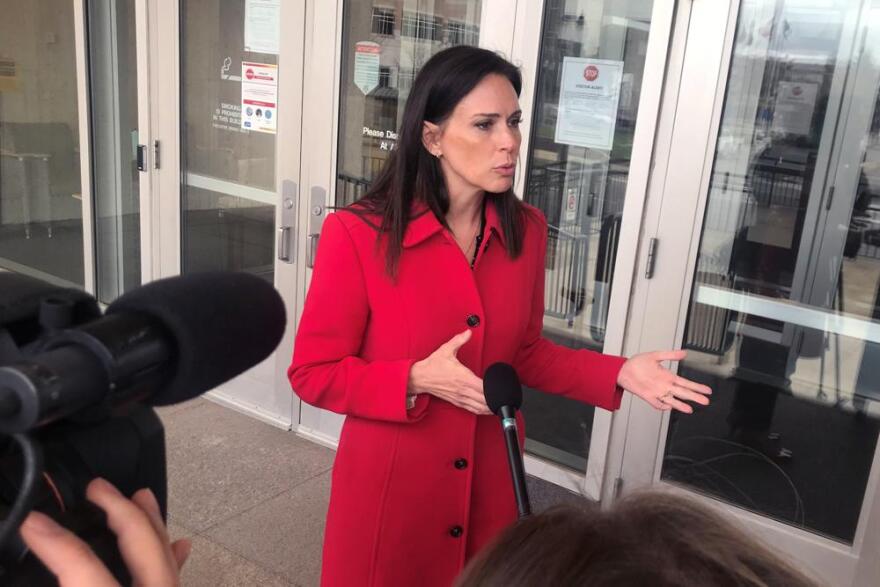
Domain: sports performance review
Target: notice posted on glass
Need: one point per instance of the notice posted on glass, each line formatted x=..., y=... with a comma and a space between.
x=262, y=20
x=259, y=97
x=795, y=104
x=588, y=100
x=367, y=56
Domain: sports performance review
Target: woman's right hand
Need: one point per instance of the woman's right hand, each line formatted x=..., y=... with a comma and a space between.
x=444, y=377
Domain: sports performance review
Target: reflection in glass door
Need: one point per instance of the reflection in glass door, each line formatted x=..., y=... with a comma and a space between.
x=784, y=315
x=590, y=72
x=41, y=209
x=228, y=123
x=42, y=148
x=384, y=44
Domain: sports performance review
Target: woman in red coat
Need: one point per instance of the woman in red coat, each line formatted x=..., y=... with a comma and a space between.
x=436, y=274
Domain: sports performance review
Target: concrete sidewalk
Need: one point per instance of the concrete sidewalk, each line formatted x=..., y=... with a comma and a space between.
x=250, y=496
x=253, y=498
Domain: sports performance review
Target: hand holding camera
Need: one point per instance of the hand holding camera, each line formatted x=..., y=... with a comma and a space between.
x=141, y=534
x=76, y=395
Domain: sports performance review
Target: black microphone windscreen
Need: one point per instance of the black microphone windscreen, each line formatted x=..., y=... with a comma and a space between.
x=221, y=324
x=501, y=387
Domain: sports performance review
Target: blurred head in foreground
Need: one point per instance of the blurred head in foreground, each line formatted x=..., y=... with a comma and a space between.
x=651, y=538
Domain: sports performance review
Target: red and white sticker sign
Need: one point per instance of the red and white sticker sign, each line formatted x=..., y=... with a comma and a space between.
x=259, y=97
x=591, y=72
x=367, y=56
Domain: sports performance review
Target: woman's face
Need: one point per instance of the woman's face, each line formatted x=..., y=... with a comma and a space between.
x=478, y=144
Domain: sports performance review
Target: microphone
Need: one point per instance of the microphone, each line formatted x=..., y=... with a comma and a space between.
x=163, y=343
x=504, y=397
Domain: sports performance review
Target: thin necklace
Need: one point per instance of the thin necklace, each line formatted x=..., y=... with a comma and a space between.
x=471, y=241
x=476, y=239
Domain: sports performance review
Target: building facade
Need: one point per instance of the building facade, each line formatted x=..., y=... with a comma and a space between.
x=708, y=169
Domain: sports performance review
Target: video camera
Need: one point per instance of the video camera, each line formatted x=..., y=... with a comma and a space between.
x=77, y=391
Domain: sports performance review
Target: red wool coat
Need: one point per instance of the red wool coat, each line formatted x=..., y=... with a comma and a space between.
x=415, y=493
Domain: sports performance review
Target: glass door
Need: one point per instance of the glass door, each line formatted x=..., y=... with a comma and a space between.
x=44, y=216
x=780, y=307
x=592, y=88
x=71, y=122
x=229, y=158
x=229, y=112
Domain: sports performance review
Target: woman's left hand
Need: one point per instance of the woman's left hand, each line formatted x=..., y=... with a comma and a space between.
x=644, y=376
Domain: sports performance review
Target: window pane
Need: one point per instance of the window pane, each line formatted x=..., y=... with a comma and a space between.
x=228, y=185
x=388, y=58
x=41, y=228
x=783, y=317
x=589, y=82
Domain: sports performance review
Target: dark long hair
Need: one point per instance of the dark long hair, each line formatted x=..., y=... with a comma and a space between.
x=412, y=174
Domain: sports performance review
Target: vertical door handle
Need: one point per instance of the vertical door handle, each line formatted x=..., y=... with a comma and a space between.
x=284, y=244
x=311, y=249
x=142, y=157
x=317, y=213
x=652, y=258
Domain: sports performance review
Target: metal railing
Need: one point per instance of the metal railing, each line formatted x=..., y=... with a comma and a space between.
x=350, y=189
x=565, y=282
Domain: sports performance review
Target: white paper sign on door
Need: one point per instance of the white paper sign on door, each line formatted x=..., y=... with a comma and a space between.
x=588, y=98
x=259, y=96
x=366, y=66
x=795, y=103
x=262, y=22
